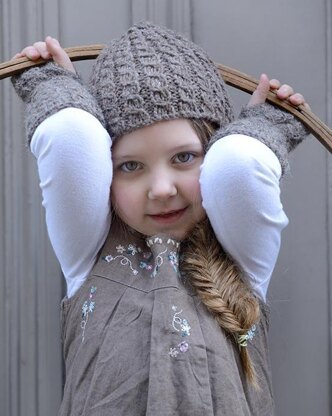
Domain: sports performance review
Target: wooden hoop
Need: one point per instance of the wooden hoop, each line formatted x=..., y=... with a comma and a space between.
x=231, y=76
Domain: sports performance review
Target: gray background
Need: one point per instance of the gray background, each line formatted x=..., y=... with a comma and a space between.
x=290, y=40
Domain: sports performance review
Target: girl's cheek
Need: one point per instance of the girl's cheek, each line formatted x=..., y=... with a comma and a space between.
x=123, y=193
x=193, y=186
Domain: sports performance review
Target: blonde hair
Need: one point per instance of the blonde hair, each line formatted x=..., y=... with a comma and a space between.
x=218, y=280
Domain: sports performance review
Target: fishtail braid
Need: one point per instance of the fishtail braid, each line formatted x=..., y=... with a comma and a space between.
x=222, y=288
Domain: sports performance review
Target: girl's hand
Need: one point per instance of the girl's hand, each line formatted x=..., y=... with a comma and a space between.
x=284, y=92
x=50, y=49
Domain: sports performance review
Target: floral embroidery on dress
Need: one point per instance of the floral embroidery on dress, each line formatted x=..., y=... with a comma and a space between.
x=157, y=240
x=124, y=260
x=146, y=262
x=172, y=257
x=87, y=308
x=133, y=249
x=120, y=249
x=182, y=326
x=173, y=352
x=242, y=340
x=174, y=260
x=158, y=263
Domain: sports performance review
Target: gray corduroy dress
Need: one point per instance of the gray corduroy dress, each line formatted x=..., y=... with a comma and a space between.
x=138, y=341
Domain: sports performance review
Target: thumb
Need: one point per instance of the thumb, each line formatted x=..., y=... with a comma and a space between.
x=58, y=54
x=260, y=94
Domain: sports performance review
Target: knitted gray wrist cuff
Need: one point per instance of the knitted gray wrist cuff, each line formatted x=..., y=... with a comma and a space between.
x=49, y=89
x=277, y=129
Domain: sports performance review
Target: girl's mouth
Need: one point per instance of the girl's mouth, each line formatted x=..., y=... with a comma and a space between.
x=168, y=217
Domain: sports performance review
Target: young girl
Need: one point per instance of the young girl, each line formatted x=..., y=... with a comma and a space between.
x=167, y=269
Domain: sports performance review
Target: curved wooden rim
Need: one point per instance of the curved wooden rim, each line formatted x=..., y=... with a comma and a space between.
x=231, y=76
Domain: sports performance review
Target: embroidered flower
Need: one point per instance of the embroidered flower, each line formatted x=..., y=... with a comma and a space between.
x=183, y=346
x=251, y=333
x=185, y=328
x=146, y=260
x=132, y=249
x=173, y=352
x=173, y=258
x=87, y=308
x=144, y=265
x=120, y=249
x=242, y=340
x=91, y=306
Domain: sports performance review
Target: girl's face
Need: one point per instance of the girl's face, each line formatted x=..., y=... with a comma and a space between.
x=155, y=186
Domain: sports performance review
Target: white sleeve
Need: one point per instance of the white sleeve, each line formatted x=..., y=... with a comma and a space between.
x=73, y=153
x=241, y=195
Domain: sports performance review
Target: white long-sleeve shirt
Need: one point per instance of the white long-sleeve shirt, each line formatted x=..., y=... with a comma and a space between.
x=239, y=184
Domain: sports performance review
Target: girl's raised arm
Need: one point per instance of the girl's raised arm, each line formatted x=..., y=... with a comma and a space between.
x=65, y=131
x=240, y=182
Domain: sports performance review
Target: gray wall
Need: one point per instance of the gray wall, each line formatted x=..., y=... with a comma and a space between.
x=290, y=40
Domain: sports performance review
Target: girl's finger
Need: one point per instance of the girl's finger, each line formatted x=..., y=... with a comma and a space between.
x=58, y=53
x=284, y=92
x=297, y=99
x=260, y=94
x=275, y=84
x=42, y=49
x=31, y=53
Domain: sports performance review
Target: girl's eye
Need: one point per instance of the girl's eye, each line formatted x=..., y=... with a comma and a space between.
x=184, y=157
x=130, y=166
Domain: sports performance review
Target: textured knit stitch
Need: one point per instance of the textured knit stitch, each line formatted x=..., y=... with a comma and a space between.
x=277, y=129
x=152, y=74
x=49, y=89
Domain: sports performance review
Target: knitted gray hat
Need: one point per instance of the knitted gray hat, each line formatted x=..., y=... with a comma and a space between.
x=152, y=74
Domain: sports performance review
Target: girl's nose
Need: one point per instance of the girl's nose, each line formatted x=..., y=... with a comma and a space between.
x=162, y=188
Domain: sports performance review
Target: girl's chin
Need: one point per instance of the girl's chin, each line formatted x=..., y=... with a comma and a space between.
x=176, y=234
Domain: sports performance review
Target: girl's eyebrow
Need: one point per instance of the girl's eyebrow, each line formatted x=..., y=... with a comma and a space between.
x=124, y=157
x=197, y=147
x=187, y=146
